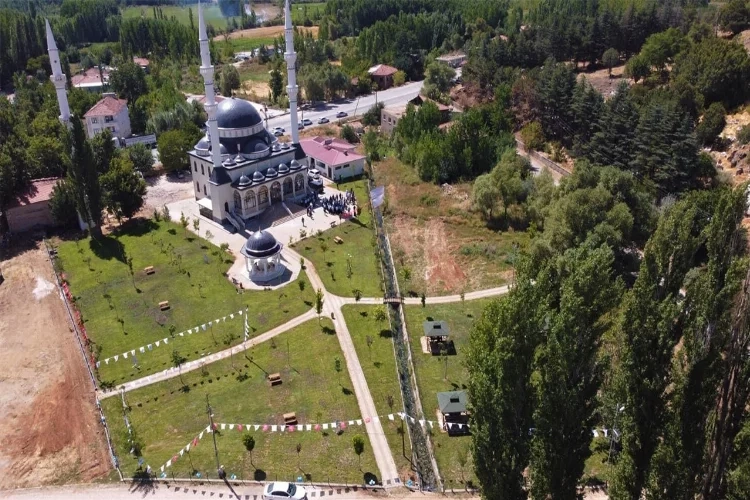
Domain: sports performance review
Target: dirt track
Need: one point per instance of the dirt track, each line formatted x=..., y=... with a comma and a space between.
x=268, y=31
x=48, y=420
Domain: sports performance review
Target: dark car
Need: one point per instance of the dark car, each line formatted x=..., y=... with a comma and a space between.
x=341, y=114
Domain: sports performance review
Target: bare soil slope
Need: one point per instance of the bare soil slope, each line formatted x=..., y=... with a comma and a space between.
x=49, y=429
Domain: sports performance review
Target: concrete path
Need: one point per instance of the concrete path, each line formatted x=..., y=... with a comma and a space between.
x=195, y=364
x=444, y=299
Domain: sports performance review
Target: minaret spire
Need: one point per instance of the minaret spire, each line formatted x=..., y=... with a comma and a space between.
x=58, y=77
x=291, y=60
x=207, y=71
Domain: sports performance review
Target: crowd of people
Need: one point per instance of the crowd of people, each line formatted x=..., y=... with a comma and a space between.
x=339, y=204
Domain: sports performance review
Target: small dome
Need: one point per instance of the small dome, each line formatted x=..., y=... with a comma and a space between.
x=254, y=145
x=261, y=244
x=284, y=145
x=276, y=146
x=283, y=169
x=294, y=165
x=236, y=113
x=245, y=180
x=228, y=162
x=258, y=177
x=203, y=144
x=271, y=172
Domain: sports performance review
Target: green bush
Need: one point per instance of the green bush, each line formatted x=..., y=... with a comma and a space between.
x=532, y=136
x=743, y=135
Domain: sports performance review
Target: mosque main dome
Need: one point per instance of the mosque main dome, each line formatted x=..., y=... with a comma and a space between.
x=236, y=113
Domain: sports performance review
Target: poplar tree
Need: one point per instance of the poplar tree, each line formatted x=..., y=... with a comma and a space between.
x=84, y=180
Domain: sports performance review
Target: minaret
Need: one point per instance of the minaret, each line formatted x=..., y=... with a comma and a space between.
x=58, y=77
x=291, y=71
x=207, y=71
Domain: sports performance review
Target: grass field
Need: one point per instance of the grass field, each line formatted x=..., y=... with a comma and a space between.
x=248, y=44
x=166, y=418
x=312, y=10
x=435, y=233
x=122, y=313
x=379, y=366
x=357, y=249
x=431, y=370
x=212, y=14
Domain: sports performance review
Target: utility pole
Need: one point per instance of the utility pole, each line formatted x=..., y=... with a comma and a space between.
x=219, y=469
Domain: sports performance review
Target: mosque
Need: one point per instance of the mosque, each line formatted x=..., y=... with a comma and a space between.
x=239, y=168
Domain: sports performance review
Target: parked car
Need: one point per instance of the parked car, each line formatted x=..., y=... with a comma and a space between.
x=282, y=490
x=307, y=122
x=278, y=133
x=341, y=114
x=300, y=126
x=323, y=120
x=279, y=128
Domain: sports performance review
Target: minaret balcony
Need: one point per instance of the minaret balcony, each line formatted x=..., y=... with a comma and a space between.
x=207, y=72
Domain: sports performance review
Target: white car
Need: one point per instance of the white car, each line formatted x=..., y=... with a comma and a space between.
x=281, y=490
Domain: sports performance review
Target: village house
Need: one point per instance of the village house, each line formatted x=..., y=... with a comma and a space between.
x=109, y=113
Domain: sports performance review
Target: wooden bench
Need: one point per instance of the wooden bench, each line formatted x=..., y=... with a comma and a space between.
x=164, y=305
x=274, y=379
x=290, y=418
x=338, y=240
x=149, y=270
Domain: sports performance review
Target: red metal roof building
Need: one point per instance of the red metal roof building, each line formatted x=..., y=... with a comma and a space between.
x=382, y=74
x=335, y=158
x=31, y=209
x=91, y=80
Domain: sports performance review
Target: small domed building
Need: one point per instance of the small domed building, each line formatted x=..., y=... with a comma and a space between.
x=256, y=169
x=262, y=257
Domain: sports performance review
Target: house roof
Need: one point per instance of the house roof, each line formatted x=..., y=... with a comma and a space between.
x=435, y=328
x=420, y=99
x=39, y=191
x=141, y=61
x=397, y=111
x=107, y=106
x=330, y=151
x=452, y=402
x=382, y=70
x=451, y=56
x=90, y=78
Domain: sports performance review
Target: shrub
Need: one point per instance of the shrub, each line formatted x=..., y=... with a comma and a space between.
x=532, y=136
x=712, y=124
x=743, y=134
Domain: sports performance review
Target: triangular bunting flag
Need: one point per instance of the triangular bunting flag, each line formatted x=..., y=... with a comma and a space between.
x=216, y=321
x=325, y=427
x=422, y=422
x=117, y=357
x=210, y=323
x=162, y=468
x=450, y=425
x=224, y=318
x=169, y=463
x=231, y=316
x=150, y=348
x=239, y=427
x=143, y=349
x=132, y=352
x=308, y=427
x=595, y=432
x=390, y=417
x=106, y=361
x=299, y=427
x=204, y=327
x=166, y=340
x=359, y=421
x=157, y=343
x=239, y=312
x=187, y=448
x=200, y=436
x=98, y=363
x=182, y=334
x=273, y=428
x=351, y=422
x=430, y=422
x=182, y=451
x=124, y=355
x=256, y=427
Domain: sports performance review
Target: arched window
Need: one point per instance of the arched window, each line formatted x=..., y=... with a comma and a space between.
x=262, y=195
x=287, y=186
x=299, y=182
x=203, y=172
x=204, y=190
x=198, y=187
x=237, y=201
x=195, y=166
x=249, y=199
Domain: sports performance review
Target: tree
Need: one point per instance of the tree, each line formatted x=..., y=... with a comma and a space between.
x=358, y=442
x=123, y=189
x=734, y=16
x=337, y=367
x=349, y=135
x=380, y=314
x=637, y=68
x=62, y=204
x=129, y=81
x=485, y=194
x=177, y=361
x=743, y=134
x=249, y=442
x=399, y=78
x=174, y=145
x=438, y=79
x=230, y=79
x=140, y=155
x=499, y=360
x=646, y=334
x=369, y=341
x=196, y=225
x=610, y=58
x=184, y=223
x=84, y=180
x=569, y=368
x=357, y=294
x=103, y=149
x=324, y=249
x=713, y=122
x=532, y=136
x=276, y=83
x=319, y=298
x=371, y=118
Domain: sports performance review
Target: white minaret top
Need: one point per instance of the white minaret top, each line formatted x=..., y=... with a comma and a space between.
x=207, y=71
x=58, y=77
x=291, y=60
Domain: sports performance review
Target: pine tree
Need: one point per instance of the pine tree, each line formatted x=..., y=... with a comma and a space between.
x=614, y=142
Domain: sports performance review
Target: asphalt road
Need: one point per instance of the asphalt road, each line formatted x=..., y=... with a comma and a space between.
x=352, y=107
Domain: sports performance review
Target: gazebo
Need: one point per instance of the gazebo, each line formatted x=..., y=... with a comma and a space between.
x=263, y=257
x=455, y=416
x=437, y=337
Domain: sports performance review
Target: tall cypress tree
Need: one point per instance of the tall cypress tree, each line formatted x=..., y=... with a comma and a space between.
x=84, y=179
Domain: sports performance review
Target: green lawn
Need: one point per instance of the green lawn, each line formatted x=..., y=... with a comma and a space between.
x=211, y=13
x=255, y=72
x=430, y=371
x=248, y=44
x=122, y=314
x=313, y=10
x=166, y=418
x=357, y=248
x=379, y=366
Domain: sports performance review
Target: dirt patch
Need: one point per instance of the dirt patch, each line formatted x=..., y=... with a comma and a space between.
x=442, y=267
x=605, y=85
x=268, y=31
x=259, y=90
x=164, y=189
x=47, y=405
